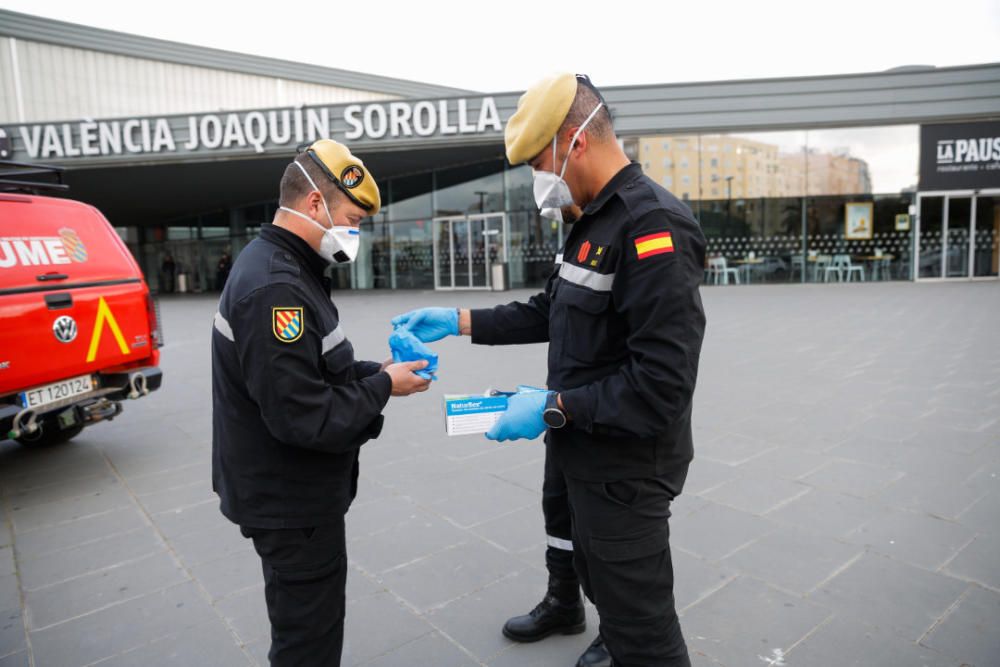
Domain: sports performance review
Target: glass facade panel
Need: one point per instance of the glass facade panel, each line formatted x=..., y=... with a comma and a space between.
x=818, y=205
x=986, y=256
x=931, y=239
x=469, y=189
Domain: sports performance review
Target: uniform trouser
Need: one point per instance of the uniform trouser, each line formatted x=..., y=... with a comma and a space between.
x=622, y=555
x=305, y=572
x=558, y=524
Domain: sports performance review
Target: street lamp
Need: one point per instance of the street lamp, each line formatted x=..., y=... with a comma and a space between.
x=482, y=197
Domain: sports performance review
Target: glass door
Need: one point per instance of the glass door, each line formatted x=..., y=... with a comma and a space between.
x=986, y=253
x=929, y=238
x=958, y=223
x=465, y=250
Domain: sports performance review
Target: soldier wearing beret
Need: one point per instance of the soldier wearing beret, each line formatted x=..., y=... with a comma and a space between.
x=291, y=406
x=624, y=321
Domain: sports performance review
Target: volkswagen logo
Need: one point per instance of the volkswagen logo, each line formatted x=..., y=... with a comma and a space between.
x=65, y=329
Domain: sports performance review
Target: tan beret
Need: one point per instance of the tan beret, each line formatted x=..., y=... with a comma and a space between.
x=348, y=172
x=540, y=113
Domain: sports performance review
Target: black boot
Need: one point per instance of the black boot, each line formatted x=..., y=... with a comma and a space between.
x=561, y=612
x=595, y=655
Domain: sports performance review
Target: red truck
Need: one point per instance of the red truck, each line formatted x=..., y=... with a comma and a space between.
x=79, y=331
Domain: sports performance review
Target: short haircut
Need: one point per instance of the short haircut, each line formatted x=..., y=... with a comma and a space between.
x=587, y=97
x=295, y=186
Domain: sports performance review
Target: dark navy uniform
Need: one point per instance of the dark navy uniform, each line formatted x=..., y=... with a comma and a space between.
x=624, y=321
x=291, y=408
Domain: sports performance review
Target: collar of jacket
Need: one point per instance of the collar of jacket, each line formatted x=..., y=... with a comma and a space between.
x=628, y=173
x=296, y=245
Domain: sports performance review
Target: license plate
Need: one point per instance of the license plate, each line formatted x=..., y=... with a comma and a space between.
x=57, y=391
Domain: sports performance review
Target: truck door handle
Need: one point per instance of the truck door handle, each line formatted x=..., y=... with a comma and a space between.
x=59, y=301
x=51, y=276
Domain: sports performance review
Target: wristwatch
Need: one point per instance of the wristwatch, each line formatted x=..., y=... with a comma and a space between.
x=553, y=416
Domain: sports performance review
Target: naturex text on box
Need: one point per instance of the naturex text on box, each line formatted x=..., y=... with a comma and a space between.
x=465, y=415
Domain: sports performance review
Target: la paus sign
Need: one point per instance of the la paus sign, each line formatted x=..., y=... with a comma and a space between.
x=960, y=156
x=258, y=131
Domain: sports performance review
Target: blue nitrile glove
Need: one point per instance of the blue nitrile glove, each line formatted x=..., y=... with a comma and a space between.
x=429, y=324
x=523, y=418
x=407, y=347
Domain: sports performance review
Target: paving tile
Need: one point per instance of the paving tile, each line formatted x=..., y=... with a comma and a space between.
x=769, y=620
x=450, y=574
x=183, y=521
x=733, y=448
x=211, y=544
x=38, y=516
x=52, y=604
x=79, y=532
x=430, y=649
x=854, y=479
x=792, y=559
x=757, y=494
x=111, y=631
x=177, y=497
x=12, y=638
x=7, y=561
x=938, y=496
x=90, y=557
x=475, y=621
x=695, y=579
x=706, y=474
x=515, y=532
x=715, y=531
x=64, y=490
x=879, y=591
x=397, y=626
x=472, y=500
x=379, y=515
x=982, y=515
x=421, y=535
x=211, y=644
x=228, y=575
x=246, y=613
x=969, y=631
x=979, y=561
x=825, y=513
x=555, y=650
x=16, y=660
x=918, y=539
x=10, y=592
x=845, y=642
x=783, y=462
x=182, y=475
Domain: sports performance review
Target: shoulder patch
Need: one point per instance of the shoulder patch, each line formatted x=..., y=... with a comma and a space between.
x=288, y=323
x=654, y=244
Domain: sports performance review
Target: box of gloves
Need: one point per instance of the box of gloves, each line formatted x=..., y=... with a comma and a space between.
x=467, y=414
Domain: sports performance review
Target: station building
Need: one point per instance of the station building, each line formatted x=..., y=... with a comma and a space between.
x=889, y=175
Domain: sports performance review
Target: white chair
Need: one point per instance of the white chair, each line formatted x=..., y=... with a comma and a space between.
x=719, y=273
x=842, y=264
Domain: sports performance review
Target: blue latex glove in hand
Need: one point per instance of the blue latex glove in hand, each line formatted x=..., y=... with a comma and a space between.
x=523, y=418
x=407, y=347
x=429, y=324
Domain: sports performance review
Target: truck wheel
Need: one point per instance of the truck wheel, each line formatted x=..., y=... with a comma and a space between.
x=49, y=437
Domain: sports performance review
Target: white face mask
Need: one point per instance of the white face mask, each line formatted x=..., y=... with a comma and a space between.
x=551, y=191
x=339, y=244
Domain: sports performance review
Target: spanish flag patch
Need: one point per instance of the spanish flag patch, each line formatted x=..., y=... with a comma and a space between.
x=654, y=244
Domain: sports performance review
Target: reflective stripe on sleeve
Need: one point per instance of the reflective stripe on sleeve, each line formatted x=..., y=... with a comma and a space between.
x=557, y=543
x=222, y=326
x=333, y=339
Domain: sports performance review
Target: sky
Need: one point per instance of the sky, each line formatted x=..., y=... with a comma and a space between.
x=505, y=46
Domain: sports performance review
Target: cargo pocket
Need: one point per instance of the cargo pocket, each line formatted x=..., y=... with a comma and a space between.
x=623, y=549
x=585, y=337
